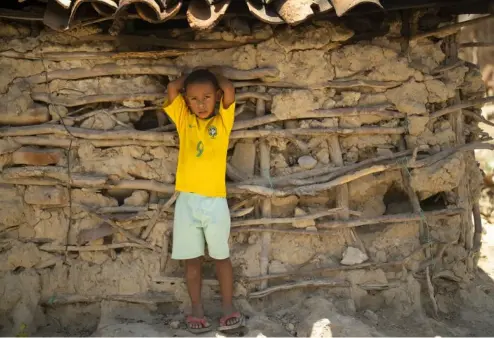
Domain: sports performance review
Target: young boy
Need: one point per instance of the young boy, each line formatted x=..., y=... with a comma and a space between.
x=201, y=212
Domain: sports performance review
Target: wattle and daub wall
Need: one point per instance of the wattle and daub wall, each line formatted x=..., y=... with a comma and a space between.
x=353, y=148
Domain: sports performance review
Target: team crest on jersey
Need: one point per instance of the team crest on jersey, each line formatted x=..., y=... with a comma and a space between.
x=212, y=131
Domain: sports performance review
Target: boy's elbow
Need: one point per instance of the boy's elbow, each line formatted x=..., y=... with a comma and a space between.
x=172, y=91
x=229, y=91
x=229, y=87
x=171, y=87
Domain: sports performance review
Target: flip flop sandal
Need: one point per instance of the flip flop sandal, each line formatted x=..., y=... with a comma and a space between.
x=225, y=319
x=205, y=326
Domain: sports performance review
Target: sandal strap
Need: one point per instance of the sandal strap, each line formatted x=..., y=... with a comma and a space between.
x=224, y=319
x=195, y=320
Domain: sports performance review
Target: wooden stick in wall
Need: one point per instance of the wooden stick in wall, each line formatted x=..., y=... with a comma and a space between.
x=62, y=248
x=337, y=84
x=388, y=219
x=148, y=299
x=424, y=230
x=164, y=252
x=461, y=105
x=171, y=138
x=80, y=100
x=135, y=40
x=264, y=154
x=111, y=69
x=300, y=284
x=311, y=175
x=342, y=192
x=66, y=56
x=457, y=121
x=64, y=142
x=328, y=269
x=265, y=166
x=378, y=110
x=451, y=29
x=157, y=215
x=317, y=132
x=477, y=236
x=87, y=133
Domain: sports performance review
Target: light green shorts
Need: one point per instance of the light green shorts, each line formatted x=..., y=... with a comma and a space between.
x=199, y=220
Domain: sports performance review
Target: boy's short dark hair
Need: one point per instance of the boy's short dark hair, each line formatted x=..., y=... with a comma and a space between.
x=201, y=76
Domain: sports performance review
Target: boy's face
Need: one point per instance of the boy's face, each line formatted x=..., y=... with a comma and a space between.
x=201, y=98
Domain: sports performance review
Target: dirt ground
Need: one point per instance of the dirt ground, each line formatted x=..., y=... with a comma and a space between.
x=468, y=313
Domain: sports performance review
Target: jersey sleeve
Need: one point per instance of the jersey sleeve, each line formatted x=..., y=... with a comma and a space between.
x=176, y=110
x=227, y=115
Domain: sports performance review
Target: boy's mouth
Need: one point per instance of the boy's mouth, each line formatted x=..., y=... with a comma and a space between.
x=203, y=114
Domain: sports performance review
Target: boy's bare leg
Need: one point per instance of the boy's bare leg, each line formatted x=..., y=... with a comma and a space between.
x=193, y=277
x=224, y=273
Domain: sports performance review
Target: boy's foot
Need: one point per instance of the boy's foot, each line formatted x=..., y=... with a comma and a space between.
x=231, y=320
x=197, y=322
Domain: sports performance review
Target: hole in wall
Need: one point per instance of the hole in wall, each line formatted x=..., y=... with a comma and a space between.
x=315, y=8
x=18, y=270
x=118, y=250
x=373, y=24
x=151, y=119
x=396, y=201
x=434, y=202
x=148, y=120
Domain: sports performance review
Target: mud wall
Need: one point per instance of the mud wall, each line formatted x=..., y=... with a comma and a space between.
x=345, y=166
x=477, y=43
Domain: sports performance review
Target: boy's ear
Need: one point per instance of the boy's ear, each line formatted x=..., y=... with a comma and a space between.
x=218, y=94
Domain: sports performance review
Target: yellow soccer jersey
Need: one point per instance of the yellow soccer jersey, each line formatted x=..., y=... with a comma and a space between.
x=203, y=146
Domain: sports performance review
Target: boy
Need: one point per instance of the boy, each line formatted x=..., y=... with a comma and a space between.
x=201, y=211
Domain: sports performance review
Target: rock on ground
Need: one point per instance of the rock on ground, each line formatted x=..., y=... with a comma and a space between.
x=321, y=319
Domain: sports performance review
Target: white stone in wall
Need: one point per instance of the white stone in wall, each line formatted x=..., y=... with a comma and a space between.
x=307, y=162
x=353, y=256
x=138, y=198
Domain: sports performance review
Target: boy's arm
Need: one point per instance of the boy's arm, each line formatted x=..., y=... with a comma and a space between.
x=175, y=106
x=228, y=90
x=174, y=87
x=227, y=106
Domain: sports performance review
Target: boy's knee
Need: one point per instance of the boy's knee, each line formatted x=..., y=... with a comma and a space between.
x=193, y=267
